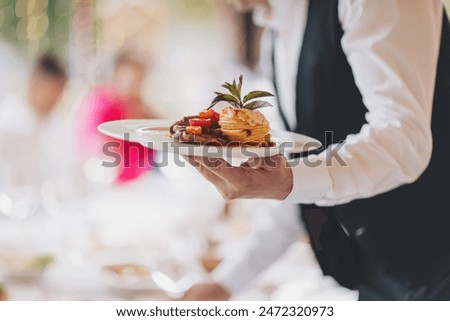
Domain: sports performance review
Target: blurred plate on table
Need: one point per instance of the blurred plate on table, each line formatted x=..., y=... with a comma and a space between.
x=24, y=266
x=155, y=134
x=128, y=277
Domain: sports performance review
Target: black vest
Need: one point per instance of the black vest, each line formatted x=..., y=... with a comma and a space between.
x=397, y=244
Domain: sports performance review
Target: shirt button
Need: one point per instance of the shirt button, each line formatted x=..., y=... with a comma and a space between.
x=360, y=231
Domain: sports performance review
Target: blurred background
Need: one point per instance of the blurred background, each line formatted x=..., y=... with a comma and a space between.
x=88, y=35
x=71, y=229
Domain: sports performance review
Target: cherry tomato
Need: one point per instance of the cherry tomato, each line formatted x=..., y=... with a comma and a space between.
x=210, y=113
x=202, y=122
x=196, y=130
x=207, y=113
x=216, y=116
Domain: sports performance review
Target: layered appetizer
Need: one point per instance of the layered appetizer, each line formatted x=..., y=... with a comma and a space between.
x=239, y=123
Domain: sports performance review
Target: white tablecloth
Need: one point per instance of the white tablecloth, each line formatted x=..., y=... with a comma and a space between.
x=158, y=216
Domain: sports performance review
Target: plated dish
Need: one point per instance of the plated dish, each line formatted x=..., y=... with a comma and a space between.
x=3, y=294
x=239, y=130
x=129, y=277
x=24, y=265
x=238, y=124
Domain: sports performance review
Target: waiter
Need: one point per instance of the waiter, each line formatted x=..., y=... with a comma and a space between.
x=371, y=79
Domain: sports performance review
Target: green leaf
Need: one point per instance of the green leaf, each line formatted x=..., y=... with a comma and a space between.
x=228, y=98
x=233, y=90
x=256, y=94
x=241, y=79
x=234, y=96
x=237, y=89
x=214, y=102
x=257, y=104
x=225, y=97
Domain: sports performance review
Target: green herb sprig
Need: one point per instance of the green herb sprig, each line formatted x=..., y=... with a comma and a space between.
x=235, y=100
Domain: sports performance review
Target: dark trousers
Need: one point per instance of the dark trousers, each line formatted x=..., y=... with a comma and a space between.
x=340, y=258
x=379, y=286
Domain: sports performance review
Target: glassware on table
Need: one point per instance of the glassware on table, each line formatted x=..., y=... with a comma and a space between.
x=19, y=202
x=175, y=277
x=19, y=193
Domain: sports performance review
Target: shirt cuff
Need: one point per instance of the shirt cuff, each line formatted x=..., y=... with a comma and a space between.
x=311, y=180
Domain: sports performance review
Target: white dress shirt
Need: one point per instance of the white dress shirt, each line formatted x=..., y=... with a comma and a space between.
x=396, y=79
x=392, y=47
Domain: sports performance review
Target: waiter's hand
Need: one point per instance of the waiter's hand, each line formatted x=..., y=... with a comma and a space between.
x=268, y=177
x=207, y=292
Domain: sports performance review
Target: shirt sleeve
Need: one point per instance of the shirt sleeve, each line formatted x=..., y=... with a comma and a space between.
x=392, y=48
x=273, y=234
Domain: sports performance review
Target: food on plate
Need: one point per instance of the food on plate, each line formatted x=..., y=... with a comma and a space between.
x=240, y=123
x=210, y=262
x=24, y=264
x=128, y=270
x=128, y=277
x=3, y=294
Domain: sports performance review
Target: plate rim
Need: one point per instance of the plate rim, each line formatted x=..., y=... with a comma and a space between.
x=134, y=127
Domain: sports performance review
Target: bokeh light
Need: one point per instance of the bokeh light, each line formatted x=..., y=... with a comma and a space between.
x=34, y=26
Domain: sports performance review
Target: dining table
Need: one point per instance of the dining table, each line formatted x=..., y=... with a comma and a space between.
x=164, y=221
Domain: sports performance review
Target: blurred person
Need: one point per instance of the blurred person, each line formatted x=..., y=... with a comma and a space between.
x=119, y=99
x=45, y=86
x=375, y=199
x=31, y=136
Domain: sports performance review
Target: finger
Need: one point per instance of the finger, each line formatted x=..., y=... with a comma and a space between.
x=201, y=164
x=219, y=167
x=265, y=163
x=191, y=160
x=226, y=178
x=210, y=175
x=212, y=162
x=253, y=163
x=275, y=161
x=204, y=170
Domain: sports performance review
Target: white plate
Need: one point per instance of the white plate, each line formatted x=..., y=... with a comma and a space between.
x=155, y=134
x=128, y=282
x=24, y=265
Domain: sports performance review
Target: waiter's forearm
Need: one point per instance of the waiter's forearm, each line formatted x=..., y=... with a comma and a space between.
x=394, y=61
